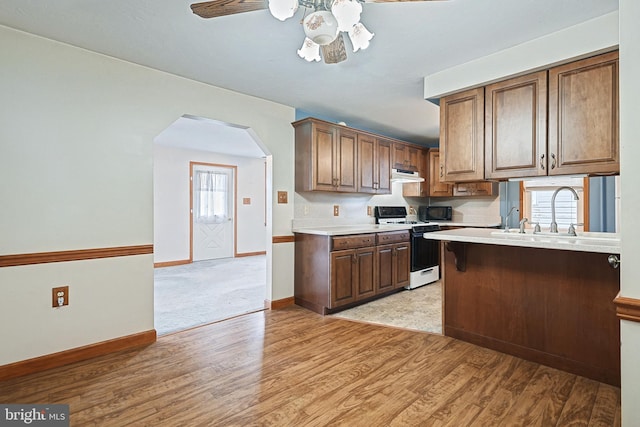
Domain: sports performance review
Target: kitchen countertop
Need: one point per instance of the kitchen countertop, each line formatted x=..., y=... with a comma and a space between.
x=338, y=230
x=584, y=242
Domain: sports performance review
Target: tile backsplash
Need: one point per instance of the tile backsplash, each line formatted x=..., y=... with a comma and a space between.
x=316, y=208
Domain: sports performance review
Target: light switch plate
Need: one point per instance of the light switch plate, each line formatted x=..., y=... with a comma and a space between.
x=336, y=210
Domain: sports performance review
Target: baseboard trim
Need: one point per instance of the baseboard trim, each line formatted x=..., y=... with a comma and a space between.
x=244, y=254
x=54, y=360
x=171, y=263
x=281, y=303
x=74, y=255
x=627, y=308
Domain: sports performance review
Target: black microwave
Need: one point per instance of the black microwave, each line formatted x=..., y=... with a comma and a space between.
x=435, y=213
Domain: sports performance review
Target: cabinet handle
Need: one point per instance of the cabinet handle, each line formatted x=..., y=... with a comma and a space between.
x=553, y=161
x=354, y=259
x=441, y=171
x=542, y=162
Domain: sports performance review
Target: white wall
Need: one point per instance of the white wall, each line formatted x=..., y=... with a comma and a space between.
x=76, y=135
x=171, y=201
x=596, y=35
x=630, y=203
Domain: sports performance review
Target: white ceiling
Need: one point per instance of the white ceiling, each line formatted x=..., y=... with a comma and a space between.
x=379, y=89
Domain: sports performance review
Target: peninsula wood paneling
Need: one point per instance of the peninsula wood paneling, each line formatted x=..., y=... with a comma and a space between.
x=549, y=306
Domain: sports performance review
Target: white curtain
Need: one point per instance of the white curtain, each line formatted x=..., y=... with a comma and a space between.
x=211, y=198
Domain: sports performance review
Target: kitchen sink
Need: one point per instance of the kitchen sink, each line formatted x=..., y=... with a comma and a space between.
x=580, y=238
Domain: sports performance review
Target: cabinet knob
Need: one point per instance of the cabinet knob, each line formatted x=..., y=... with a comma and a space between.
x=542, y=162
x=614, y=261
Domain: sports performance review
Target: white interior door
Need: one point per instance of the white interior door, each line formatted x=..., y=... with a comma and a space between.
x=212, y=212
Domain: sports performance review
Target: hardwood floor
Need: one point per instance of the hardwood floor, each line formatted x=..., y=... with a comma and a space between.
x=292, y=367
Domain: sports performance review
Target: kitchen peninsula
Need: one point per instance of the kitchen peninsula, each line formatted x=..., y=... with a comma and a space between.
x=544, y=297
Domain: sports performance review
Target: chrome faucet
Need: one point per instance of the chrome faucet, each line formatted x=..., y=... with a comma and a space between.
x=506, y=221
x=523, y=221
x=554, y=224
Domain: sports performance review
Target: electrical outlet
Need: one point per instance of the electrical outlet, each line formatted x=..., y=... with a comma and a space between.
x=336, y=210
x=369, y=210
x=60, y=296
x=306, y=209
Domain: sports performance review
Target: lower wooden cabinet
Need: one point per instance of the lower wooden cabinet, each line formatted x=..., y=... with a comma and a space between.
x=336, y=272
x=393, y=266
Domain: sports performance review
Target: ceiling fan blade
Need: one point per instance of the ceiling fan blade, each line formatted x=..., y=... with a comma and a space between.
x=212, y=9
x=334, y=52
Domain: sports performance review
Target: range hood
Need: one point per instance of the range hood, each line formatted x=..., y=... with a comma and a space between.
x=400, y=175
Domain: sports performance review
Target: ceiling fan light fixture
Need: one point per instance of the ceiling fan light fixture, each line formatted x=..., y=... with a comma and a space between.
x=347, y=13
x=360, y=37
x=283, y=9
x=321, y=27
x=310, y=51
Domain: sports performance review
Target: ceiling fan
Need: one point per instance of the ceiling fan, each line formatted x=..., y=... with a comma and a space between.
x=324, y=26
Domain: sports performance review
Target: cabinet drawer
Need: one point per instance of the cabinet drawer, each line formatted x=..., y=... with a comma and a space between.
x=393, y=237
x=352, y=241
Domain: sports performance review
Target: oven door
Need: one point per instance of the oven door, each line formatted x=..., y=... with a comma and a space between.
x=425, y=253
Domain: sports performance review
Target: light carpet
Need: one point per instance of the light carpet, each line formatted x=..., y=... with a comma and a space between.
x=418, y=309
x=207, y=291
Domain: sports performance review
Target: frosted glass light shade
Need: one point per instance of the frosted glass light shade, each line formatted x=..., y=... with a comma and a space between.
x=360, y=37
x=283, y=9
x=310, y=50
x=321, y=27
x=347, y=13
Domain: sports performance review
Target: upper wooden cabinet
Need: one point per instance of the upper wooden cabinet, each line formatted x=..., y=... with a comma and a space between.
x=419, y=189
x=582, y=127
x=462, y=136
x=406, y=157
x=583, y=116
x=335, y=158
x=325, y=158
x=516, y=127
x=437, y=188
x=374, y=165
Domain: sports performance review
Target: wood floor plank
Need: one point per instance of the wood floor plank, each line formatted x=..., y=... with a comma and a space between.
x=543, y=399
x=606, y=408
x=579, y=405
x=294, y=367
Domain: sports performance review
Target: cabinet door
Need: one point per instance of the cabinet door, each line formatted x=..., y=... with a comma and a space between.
x=436, y=170
x=516, y=127
x=402, y=264
x=365, y=280
x=367, y=167
x=323, y=157
x=343, y=277
x=583, y=116
x=385, y=268
x=419, y=189
x=462, y=136
x=346, y=159
x=384, y=166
